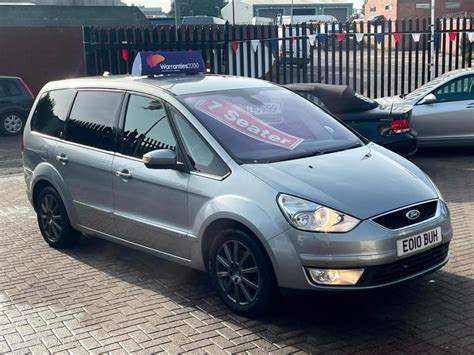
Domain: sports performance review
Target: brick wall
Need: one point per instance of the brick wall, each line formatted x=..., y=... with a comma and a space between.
x=408, y=8
x=41, y=54
x=390, y=13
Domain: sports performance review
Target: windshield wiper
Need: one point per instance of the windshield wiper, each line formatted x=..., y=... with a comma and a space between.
x=340, y=149
x=296, y=156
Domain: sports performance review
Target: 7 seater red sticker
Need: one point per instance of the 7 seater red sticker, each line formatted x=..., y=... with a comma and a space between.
x=240, y=120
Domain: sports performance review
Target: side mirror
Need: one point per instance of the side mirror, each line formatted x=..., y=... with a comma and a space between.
x=160, y=159
x=428, y=99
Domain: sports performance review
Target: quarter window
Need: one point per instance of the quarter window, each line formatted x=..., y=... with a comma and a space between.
x=146, y=128
x=203, y=159
x=92, y=119
x=456, y=90
x=51, y=112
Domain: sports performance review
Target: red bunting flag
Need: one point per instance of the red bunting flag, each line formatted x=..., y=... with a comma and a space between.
x=452, y=36
x=293, y=39
x=234, y=45
x=340, y=37
x=396, y=37
x=125, y=54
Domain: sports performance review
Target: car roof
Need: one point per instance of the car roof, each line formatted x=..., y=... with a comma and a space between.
x=173, y=84
x=9, y=77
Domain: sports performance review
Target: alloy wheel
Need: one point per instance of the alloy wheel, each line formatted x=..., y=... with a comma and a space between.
x=50, y=217
x=13, y=123
x=237, y=272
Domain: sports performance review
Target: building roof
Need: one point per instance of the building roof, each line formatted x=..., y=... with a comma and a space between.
x=300, y=2
x=70, y=16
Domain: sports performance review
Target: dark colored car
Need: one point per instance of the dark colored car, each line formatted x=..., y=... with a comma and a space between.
x=16, y=100
x=386, y=125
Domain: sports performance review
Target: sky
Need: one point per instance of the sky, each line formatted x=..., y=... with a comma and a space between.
x=165, y=4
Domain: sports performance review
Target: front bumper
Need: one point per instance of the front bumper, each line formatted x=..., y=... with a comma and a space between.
x=369, y=246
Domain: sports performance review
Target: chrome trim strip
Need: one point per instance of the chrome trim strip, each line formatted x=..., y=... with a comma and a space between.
x=137, y=246
x=120, y=155
x=155, y=225
x=103, y=210
x=210, y=176
x=108, y=152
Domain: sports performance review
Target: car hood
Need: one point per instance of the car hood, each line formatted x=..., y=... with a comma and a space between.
x=362, y=182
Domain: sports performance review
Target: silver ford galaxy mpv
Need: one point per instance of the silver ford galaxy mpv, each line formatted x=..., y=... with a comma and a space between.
x=238, y=177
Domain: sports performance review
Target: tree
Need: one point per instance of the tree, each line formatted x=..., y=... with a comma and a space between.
x=197, y=7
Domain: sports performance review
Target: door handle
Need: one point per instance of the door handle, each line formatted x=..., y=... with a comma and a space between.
x=124, y=174
x=470, y=105
x=62, y=159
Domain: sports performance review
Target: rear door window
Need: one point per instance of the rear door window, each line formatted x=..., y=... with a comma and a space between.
x=51, y=112
x=147, y=127
x=92, y=119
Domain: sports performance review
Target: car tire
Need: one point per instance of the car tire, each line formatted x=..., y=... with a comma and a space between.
x=12, y=124
x=53, y=220
x=241, y=273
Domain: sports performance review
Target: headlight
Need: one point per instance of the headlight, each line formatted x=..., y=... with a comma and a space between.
x=310, y=216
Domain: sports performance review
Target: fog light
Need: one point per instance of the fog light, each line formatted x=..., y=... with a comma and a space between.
x=336, y=277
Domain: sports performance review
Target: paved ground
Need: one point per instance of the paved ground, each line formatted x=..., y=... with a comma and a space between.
x=10, y=155
x=103, y=297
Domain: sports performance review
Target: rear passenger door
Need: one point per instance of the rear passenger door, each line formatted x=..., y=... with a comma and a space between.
x=151, y=206
x=84, y=158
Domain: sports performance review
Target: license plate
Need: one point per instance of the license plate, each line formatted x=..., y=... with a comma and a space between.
x=419, y=242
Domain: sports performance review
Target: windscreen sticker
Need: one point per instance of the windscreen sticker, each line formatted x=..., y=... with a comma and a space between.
x=269, y=112
x=242, y=121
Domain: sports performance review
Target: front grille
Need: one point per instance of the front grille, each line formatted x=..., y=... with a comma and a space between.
x=383, y=274
x=398, y=219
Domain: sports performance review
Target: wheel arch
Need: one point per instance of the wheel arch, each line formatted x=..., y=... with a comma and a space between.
x=46, y=175
x=228, y=223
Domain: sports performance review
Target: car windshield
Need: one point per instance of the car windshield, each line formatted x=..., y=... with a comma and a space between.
x=269, y=124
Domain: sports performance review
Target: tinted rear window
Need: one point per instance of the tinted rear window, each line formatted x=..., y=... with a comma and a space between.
x=92, y=119
x=51, y=112
x=8, y=87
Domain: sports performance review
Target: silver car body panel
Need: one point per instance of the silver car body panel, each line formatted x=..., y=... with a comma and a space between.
x=167, y=213
x=440, y=123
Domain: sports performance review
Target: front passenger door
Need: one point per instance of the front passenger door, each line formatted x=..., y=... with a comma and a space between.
x=150, y=205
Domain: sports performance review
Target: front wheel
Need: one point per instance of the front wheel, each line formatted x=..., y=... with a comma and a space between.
x=241, y=272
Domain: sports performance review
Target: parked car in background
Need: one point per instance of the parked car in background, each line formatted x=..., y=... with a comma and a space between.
x=202, y=20
x=16, y=100
x=382, y=124
x=443, y=109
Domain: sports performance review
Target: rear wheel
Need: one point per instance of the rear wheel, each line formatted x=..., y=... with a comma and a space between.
x=12, y=124
x=241, y=272
x=53, y=220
